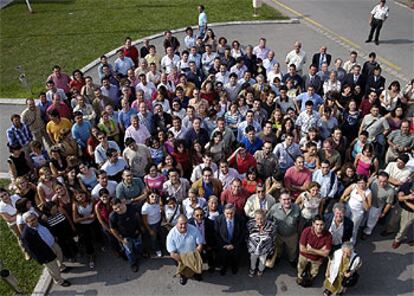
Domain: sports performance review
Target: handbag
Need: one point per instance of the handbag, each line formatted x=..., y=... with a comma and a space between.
x=353, y=279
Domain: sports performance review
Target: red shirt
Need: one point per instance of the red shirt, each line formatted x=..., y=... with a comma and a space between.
x=77, y=84
x=309, y=237
x=365, y=107
x=63, y=110
x=132, y=53
x=238, y=200
x=297, y=178
x=242, y=165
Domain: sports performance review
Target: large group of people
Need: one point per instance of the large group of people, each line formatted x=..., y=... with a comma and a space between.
x=206, y=150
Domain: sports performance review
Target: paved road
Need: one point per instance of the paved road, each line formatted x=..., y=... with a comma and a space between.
x=384, y=272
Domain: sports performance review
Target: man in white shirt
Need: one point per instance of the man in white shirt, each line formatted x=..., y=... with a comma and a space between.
x=202, y=21
x=123, y=63
x=377, y=17
x=104, y=182
x=225, y=174
x=261, y=50
x=136, y=131
x=296, y=57
x=169, y=60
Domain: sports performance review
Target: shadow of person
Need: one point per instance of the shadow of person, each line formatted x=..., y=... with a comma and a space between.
x=397, y=41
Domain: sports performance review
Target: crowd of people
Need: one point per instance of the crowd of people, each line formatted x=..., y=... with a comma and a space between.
x=207, y=150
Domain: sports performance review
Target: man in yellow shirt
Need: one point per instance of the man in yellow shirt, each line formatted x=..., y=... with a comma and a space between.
x=55, y=125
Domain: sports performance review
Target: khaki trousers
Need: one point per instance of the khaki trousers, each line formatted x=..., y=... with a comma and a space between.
x=407, y=220
x=290, y=243
x=303, y=261
x=54, y=267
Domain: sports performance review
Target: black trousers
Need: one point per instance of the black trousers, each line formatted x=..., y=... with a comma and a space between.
x=230, y=258
x=376, y=26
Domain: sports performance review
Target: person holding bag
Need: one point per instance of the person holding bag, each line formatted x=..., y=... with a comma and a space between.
x=342, y=270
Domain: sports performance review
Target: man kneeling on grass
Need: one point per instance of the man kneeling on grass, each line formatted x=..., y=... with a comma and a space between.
x=184, y=243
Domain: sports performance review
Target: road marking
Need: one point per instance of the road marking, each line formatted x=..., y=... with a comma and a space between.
x=326, y=30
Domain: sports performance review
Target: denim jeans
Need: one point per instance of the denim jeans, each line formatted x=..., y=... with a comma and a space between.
x=156, y=240
x=132, y=249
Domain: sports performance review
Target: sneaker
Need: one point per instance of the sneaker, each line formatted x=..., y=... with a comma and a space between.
x=159, y=254
x=251, y=273
x=183, y=280
x=65, y=283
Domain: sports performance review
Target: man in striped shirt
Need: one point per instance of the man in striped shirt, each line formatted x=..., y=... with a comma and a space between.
x=18, y=133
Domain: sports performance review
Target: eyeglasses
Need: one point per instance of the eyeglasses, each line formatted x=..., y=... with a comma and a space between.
x=260, y=191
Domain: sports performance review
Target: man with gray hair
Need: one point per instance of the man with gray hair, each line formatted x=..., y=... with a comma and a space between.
x=338, y=225
x=258, y=201
x=41, y=245
x=230, y=234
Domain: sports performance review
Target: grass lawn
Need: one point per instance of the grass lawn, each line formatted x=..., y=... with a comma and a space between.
x=27, y=273
x=72, y=33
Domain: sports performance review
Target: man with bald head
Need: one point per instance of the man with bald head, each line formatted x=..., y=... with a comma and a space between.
x=185, y=244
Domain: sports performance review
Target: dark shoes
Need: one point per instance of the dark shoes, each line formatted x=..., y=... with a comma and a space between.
x=234, y=270
x=183, y=280
x=65, y=284
x=395, y=244
x=367, y=41
x=223, y=271
x=198, y=277
x=134, y=267
x=376, y=42
x=211, y=269
x=385, y=233
x=364, y=236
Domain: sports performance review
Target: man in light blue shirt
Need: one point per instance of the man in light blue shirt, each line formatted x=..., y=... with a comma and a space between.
x=310, y=95
x=123, y=63
x=81, y=130
x=202, y=21
x=184, y=238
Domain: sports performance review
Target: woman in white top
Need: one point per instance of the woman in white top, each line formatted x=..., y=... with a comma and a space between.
x=236, y=51
x=151, y=216
x=358, y=198
x=390, y=97
x=171, y=212
x=276, y=72
x=310, y=203
x=192, y=202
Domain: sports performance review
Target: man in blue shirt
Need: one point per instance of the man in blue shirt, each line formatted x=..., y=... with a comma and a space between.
x=184, y=238
x=252, y=142
x=81, y=130
x=310, y=95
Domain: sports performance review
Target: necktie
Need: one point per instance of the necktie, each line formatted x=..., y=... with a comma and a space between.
x=230, y=230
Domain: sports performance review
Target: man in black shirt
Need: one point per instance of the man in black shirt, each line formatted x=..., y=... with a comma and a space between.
x=125, y=225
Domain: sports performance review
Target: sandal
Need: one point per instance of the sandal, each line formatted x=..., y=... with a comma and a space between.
x=326, y=292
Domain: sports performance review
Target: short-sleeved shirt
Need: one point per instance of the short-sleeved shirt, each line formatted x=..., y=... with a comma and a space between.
x=287, y=222
x=137, y=160
x=111, y=188
x=183, y=242
x=9, y=209
x=54, y=129
x=153, y=212
x=380, y=13
x=404, y=140
x=381, y=195
x=309, y=237
x=124, y=191
x=127, y=224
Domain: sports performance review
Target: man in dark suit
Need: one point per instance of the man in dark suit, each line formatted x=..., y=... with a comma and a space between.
x=40, y=244
x=336, y=221
x=356, y=78
x=375, y=82
x=321, y=57
x=206, y=228
x=230, y=233
x=312, y=79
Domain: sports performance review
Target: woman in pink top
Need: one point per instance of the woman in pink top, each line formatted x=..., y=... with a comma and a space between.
x=365, y=162
x=154, y=179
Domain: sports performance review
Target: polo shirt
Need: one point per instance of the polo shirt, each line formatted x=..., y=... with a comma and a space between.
x=238, y=200
x=54, y=129
x=183, y=242
x=309, y=237
x=287, y=222
x=242, y=165
x=381, y=195
x=124, y=191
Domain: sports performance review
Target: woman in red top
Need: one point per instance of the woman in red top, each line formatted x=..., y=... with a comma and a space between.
x=77, y=81
x=154, y=179
x=182, y=157
x=251, y=180
x=103, y=209
x=208, y=93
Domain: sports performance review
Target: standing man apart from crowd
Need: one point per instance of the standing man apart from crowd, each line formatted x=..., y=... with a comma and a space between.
x=296, y=57
x=377, y=17
x=202, y=21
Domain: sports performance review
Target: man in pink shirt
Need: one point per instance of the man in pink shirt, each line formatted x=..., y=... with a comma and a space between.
x=60, y=79
x=297, y=177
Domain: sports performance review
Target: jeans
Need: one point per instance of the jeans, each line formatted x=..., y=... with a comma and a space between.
x=156, y=240
x=132, y=249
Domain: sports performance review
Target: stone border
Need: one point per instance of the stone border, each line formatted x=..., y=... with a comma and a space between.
x=43, y=284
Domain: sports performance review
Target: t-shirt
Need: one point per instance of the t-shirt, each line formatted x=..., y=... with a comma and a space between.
x=127, y=224
x=54, y=129
x=137, y=160
x=111, y=188
x=153, y=212
x=407, y=188
x=9, y=209
x=309, y=237
x=381, y=195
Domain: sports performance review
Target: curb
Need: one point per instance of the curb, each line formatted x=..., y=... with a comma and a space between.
x=222, y=24
x=43, y=284
x=19, y=101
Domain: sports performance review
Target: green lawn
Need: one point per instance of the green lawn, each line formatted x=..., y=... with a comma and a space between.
x=27, y=273
x=72, y=33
